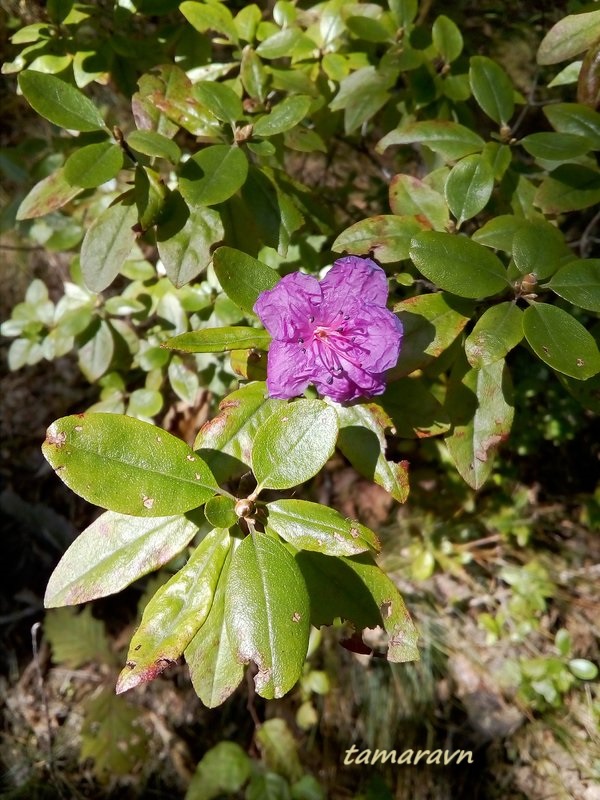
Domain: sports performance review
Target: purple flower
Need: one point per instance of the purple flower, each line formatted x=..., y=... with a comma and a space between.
x=337, y=333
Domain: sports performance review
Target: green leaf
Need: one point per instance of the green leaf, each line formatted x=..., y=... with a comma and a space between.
x=447, y=38
x=492, y=88
x=499, y=232
x=59, y=102
x=560, y=341
x=77, y=638
x=214, y=670
x=280, y=44
x=225, y=442
x=450, y=139
x=480, y=406
x=283, y=116
x=413, y=410
x=469, y=187
x=154, y=144
x=213, y=175
x=184, y=238
x=570, y=36
x=50, y=194
x=149, y=193
x=220, y=512
x=386, y=236
x=404, y=11
x=96, y=350
x=411, y=196
x=247, y=20
x=293, y=444
x=311, y=526
x=575, y=118
x=184, y=380
x=357, y=590
x=279, y=749
x=253, y=74
x=538, y=247
x=242, y=277
x=361, y=95
x=220, y=100
x=583, y=669
x=224, y=769
x=112, y=735
x=362, y=441
x=93, y=165
x=144, y=403
x=210, y=16
x=459, y=265
x=127, y=465
x=570, y=187
x=274, y=211
x=431, y=323
x=267, y=612
x=218, y=340
x=498, y=330
x=175, y=613
x=579, y=283
x=107, y=245
x=556, y=146
x=114, y=551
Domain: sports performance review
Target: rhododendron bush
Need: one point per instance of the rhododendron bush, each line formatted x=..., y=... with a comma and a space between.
x=207, y=256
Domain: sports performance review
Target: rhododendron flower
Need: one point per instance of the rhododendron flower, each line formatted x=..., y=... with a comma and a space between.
x=336, y=334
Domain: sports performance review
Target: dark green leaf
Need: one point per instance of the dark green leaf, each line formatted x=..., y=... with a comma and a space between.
x=175, y=613
x=253, y=74
x=386, y=237
x=93, y=165
x=149, y=193
x=498, y=330
x=499, y=232
x=570, y=187
x=107, y=244
x=450, y=139
x=538, y=247
x=127, y=465
x=556, y=146
x=362, y=441
x=267, y=612
x=114, y=551
x=272, y=207
x=77, y=638
x=431, y=323
x=218, y=340
x=458, y=264
x=413, y=410
x=220, y=512
x=361, y=95
x=575, y=118
x=357, y=590
x=59, y=102
x=480, y=406
x=311, y=526
x=560, y=341
x=213, y=175
x=242, y=277
x=469, y=187
x=293, y=444
x=579, y=283
x=96, y=350
x=492, y=88
x=279, y=748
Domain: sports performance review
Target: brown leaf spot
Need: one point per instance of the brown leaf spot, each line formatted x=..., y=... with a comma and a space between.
x=190, y=457
x=137, y=647
x=197, y=476
x=147, y=501
x=354, y=532
x=580, y=362
x=386, y=609
x=130, y=664
x=545, y=349
x=78, y=428
x=296, y=617
x=482, y=452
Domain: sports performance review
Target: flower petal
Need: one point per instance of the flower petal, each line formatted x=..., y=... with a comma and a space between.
x=288, y=370
x=381, y=340
x=285, y=309
x=352, y=279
